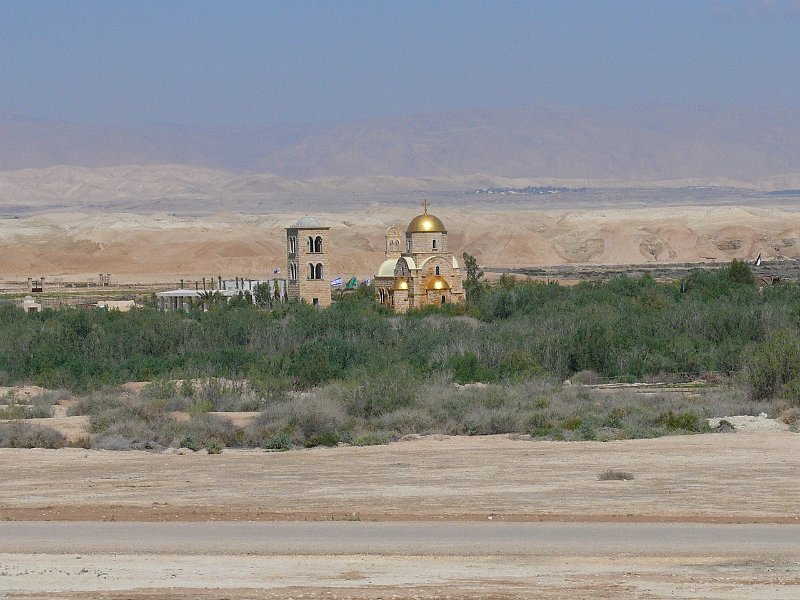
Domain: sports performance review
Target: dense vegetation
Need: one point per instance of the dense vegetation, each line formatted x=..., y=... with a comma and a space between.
x=375, y=375
x=624, y=328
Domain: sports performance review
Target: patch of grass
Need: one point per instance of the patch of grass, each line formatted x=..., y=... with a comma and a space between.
x=373, y=438
x=615, y=475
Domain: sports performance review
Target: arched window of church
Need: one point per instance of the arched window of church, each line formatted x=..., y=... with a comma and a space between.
x=444, y=299
x=437, y=270
x=310, y=271
x=318, y=244
x=408, y=245
x=318, y=271
x=434, y=244
x=310, y=244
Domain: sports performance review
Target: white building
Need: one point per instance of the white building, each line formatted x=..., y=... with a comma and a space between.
x=184, y=299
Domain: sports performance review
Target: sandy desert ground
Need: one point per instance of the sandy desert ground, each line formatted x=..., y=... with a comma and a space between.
x=163, y=248
x=698, y=483
x=727, y=478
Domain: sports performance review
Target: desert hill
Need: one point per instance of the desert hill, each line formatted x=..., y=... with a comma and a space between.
x=168, y=248
x=633, y=144
x=193, y=190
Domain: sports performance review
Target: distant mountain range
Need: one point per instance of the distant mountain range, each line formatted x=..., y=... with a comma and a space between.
x=637, y=144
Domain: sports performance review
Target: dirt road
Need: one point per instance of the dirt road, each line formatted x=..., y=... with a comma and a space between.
x=398, y=560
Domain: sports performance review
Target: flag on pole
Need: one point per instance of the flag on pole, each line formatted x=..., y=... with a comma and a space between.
x=351, y=284
x=337, y=281
x=276, y=270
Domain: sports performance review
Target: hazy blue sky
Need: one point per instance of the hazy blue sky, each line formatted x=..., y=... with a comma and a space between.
x=227, y=62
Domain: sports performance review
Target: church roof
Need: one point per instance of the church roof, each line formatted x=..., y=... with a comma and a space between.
x=426, y=223
x=387, y=268
x=308, y=223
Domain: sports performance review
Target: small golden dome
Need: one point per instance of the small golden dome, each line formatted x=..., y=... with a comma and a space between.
x=426, y=223
x=437, y=282
x=400, y=283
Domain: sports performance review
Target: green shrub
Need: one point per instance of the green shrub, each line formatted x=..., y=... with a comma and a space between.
x=328, y=438
x=279, y=441
x=373, y=438
x=468, y=369
x=686, y=421
x=201, y=407
x=160, y=389
x=187, y=388
x=773, y=364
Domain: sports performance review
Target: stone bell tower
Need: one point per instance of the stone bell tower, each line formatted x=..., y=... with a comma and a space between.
x=394, y=243
x=308, y=275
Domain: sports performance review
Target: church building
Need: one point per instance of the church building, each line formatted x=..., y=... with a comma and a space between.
x=420, y=269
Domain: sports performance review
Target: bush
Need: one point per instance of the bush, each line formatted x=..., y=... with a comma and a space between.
x=19, y=434
x=279, y=441
x=209, y=432
x=328, y=438
x=772, y=364
x=586, y=377
x=160, y=389
x=687, y=421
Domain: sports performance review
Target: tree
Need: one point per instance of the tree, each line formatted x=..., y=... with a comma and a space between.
x=210, y=299
x=472, y=284
x=740, y=272
x=262, y=295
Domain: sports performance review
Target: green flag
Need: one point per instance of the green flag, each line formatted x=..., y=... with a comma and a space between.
x=351, y=284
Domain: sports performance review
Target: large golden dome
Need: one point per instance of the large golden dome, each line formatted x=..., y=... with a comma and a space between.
x=426, y=223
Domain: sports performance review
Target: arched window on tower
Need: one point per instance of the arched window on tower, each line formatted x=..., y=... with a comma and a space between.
x=292, y=245
x=310, y=271
x=318, y=271
x=318, y=244
x=434, y=244
x=437, y=270
x=310, y=244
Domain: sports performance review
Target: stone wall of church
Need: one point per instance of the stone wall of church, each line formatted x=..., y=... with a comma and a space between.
x=422, y=243
x=446, y=270
x=400, y=301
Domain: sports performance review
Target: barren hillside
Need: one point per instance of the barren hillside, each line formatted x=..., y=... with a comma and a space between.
x=167, y=248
